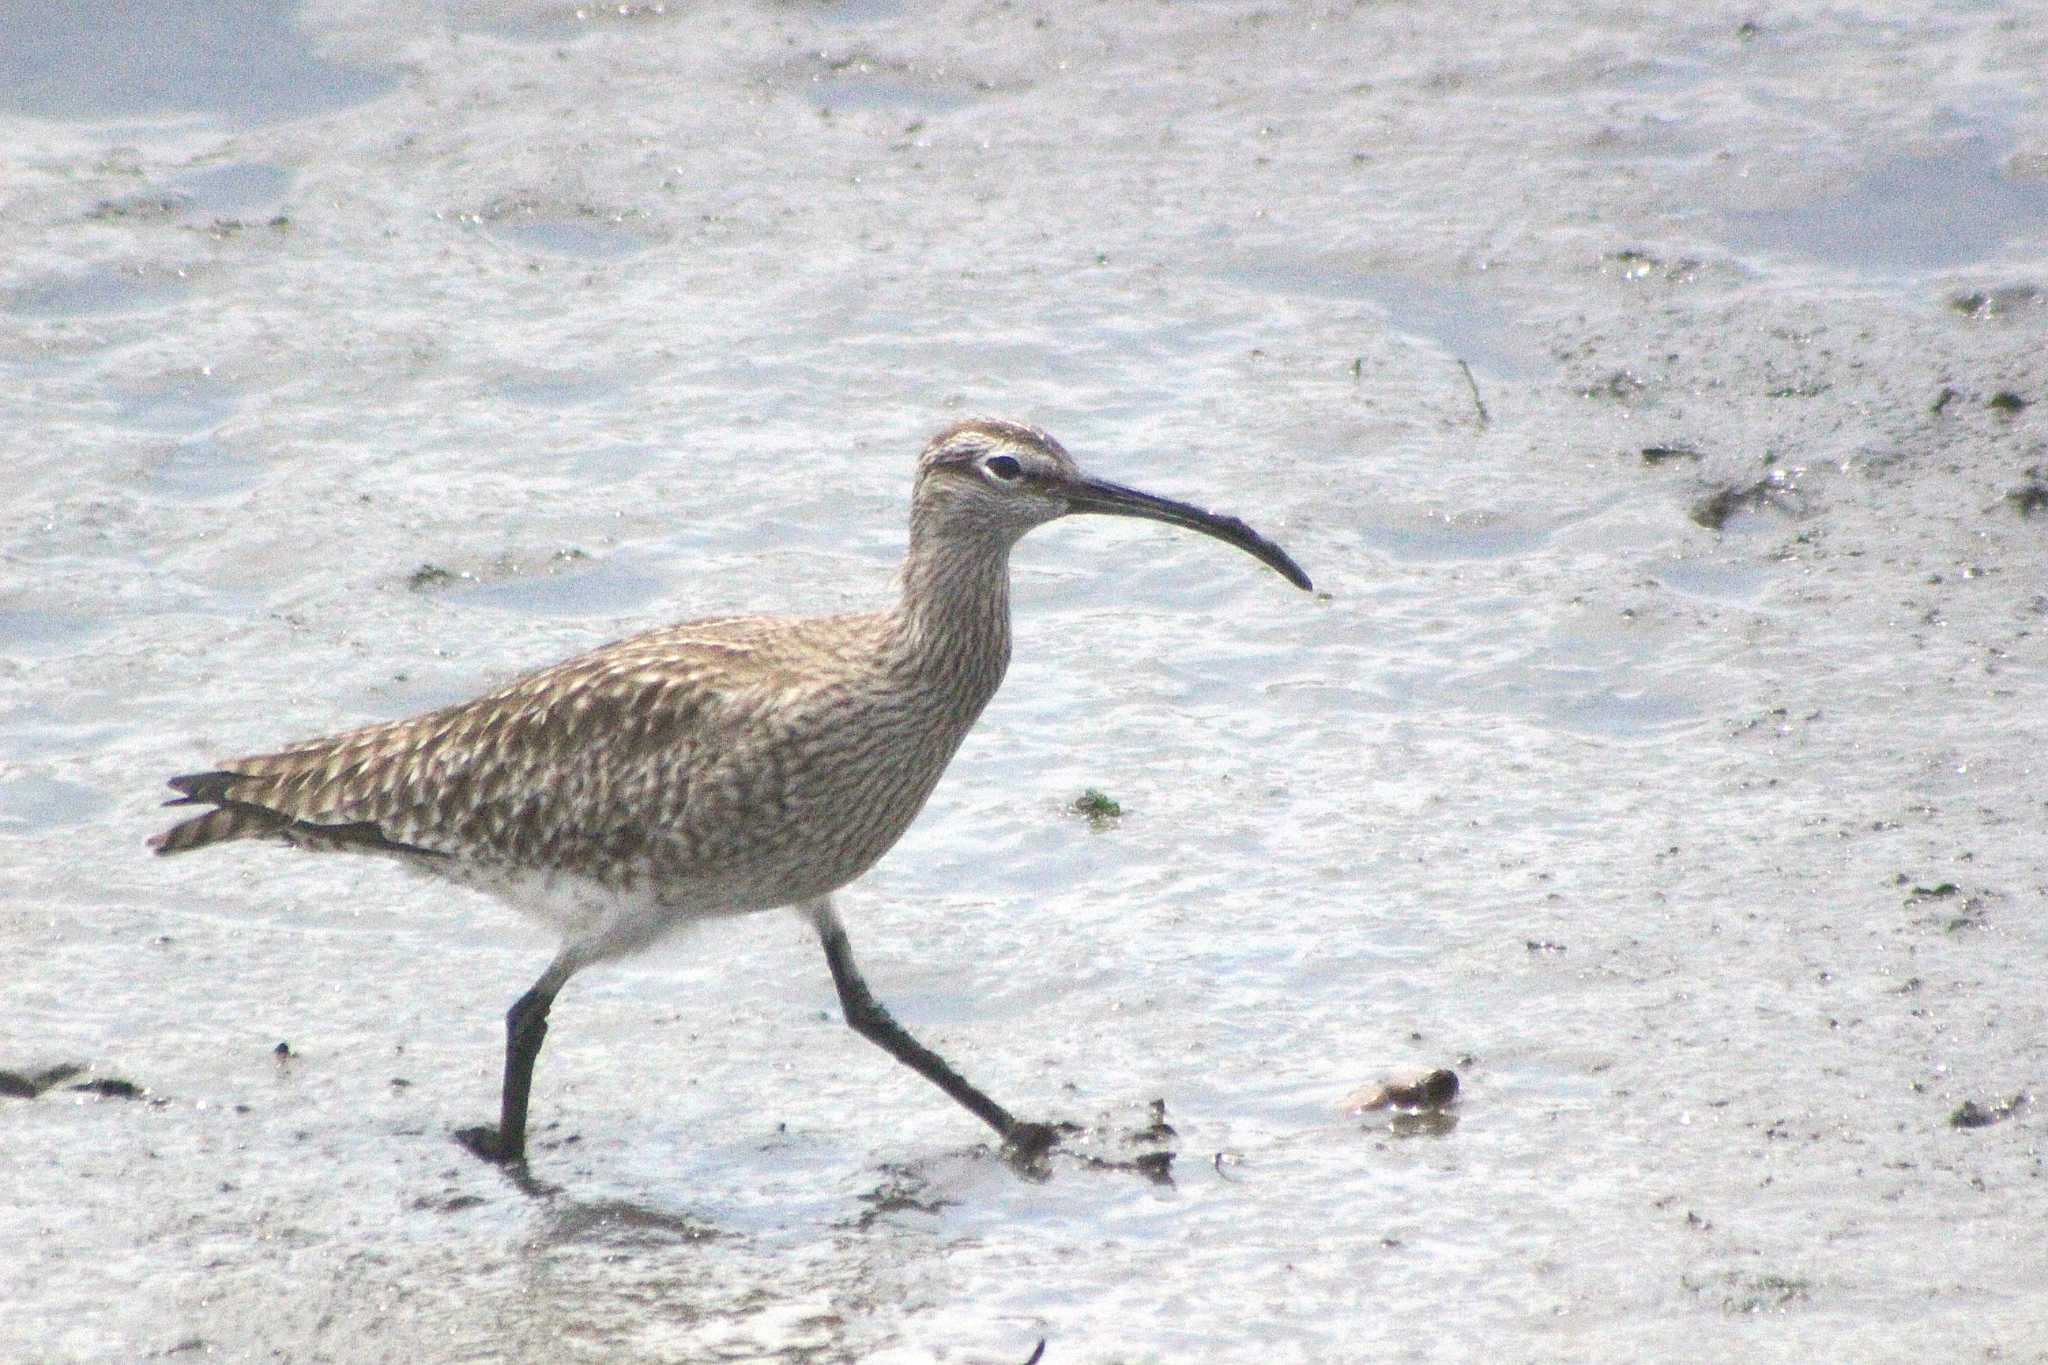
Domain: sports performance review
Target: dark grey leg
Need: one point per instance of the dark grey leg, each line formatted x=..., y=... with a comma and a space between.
x=526, y=1028
x=874, y=1023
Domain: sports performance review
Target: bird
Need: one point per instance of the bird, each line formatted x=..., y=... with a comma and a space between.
x=713, y=768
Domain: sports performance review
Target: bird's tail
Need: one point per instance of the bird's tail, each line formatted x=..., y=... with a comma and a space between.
x=233, y=818
x=229, y=818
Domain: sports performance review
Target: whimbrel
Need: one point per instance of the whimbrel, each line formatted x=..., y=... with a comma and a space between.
x=712, y=768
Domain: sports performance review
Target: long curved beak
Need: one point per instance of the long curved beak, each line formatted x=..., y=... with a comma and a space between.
x=1084, y=494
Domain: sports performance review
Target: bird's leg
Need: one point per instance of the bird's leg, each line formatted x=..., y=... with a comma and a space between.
x=526, y=1028
x=868, y=1017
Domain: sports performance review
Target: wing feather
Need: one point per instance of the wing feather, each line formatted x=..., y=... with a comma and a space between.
x=576, y=767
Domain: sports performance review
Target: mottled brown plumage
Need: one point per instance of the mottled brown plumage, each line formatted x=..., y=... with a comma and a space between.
x=712, y=768
x=715, y=750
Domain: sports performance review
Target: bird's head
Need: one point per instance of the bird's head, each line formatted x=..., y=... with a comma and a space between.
x=996, y=479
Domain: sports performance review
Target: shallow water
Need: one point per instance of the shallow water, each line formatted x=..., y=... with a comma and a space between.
x=239, y=62
x=371, y=359
x=1910, y=214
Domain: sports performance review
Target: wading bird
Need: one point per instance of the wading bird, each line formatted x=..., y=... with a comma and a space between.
x=712, y=768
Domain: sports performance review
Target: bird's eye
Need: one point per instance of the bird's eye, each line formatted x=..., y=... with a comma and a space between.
x=1002, y=467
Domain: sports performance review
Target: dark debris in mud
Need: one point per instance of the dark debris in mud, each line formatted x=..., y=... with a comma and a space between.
x=2001, y=302
x=1964, y=911
x=26, y=1085
x=906, y=1189
x=146, y=207
x=1770, y=493
x=1478, y=403
x=2031, y=496
x=1156, y=1167
x=1746, y=1294
x=1621, y=387
x=452, y=1204
x=902, y=1190
x=1655, y=455
x=1159, y=1130
x=1971, y=1114
x=1101, y=811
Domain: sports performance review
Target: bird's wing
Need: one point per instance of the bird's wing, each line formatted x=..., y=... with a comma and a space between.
x=568, y=767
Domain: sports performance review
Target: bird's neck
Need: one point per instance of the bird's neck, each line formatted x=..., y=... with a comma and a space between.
x=953, y=618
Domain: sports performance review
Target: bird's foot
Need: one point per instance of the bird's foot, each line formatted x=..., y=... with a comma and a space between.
x=1025, y=1145
x=483, y=1142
